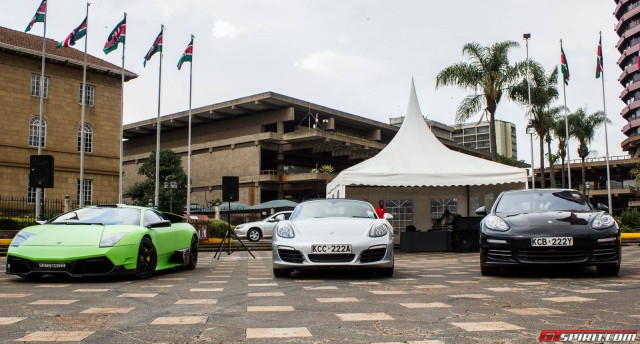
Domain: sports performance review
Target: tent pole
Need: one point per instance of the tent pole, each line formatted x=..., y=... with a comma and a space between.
x=468, y=200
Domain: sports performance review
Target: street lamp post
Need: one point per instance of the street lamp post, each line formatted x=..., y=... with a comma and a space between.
x=526, y=37
x=171, y=186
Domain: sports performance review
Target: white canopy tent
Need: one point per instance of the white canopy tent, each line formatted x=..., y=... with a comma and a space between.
x=414, y=160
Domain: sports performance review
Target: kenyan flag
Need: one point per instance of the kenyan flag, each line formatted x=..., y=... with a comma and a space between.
x=599, y=59
x=187, y=55
x=564, y=66
x=156, y=47
x=116, y=36
x=75, y=35
x=39, y=17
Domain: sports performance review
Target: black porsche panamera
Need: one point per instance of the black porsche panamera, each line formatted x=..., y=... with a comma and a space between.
x=548, y=226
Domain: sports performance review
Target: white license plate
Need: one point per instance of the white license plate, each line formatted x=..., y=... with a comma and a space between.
x=552, y=241
x=52, y=265
x=330, y=248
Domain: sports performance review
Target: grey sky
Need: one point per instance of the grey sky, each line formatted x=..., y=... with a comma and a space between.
x=356, y=56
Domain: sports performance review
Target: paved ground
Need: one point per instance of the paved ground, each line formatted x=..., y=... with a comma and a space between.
x=433, y=298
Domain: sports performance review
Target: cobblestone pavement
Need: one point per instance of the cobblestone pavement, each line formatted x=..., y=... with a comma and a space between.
x=432, y=298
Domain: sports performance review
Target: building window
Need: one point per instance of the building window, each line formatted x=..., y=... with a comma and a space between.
x=31, y=192
x=402, y=211
x=86, y=190
x=33, y=132
x=91, y=91
x=35, y=85
x=439, y=205
x=88, y=138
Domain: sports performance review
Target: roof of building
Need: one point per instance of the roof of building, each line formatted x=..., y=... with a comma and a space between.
x=22, y=43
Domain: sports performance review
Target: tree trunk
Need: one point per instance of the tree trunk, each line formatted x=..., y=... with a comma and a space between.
x=584, y=182
x=542, y=177
x=552, y=172
x=492, y=137
x=564, y=185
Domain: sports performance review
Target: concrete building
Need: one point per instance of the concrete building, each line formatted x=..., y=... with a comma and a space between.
x=440, y=130
x=20, y=71
x=628, y=28
x=476, y=136
x=276, y=144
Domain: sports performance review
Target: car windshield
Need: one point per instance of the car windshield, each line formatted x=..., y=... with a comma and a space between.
x=529, y=202
x=104, y=216
x=333, y=208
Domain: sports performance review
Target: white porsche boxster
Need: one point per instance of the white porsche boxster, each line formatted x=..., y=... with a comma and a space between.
x=333, y=233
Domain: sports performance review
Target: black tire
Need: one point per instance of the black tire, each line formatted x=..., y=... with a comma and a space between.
x=282, y=273
x=489, y=270
x=193, y=254
x=385, y=272
x=254, y=234
x=608, y=270
x=147, y=259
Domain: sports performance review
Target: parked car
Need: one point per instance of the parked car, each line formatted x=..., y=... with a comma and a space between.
x=546, y=227
x=254, y=231
x=104, y=240
x=333, y=233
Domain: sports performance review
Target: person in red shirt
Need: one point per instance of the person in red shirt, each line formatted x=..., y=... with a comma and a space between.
x=380, y=210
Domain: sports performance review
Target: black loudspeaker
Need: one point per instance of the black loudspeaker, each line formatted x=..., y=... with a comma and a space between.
x=230, y=189
x=466, y=234
x=41, y=171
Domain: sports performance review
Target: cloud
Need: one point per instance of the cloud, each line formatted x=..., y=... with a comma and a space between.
x=223, y=29
x=329, y=63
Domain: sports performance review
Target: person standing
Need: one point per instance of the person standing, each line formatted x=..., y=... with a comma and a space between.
x=380, y=210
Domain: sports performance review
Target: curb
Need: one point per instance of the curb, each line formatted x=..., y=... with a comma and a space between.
x=629, y=236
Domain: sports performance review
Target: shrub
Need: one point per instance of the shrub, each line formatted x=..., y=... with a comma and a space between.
x=16, y=223
x=218, y=228
x=630, y=220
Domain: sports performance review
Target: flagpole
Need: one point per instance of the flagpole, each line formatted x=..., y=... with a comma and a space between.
x=606, y=136
x=157, y=189
x=566, y=128
x=121, y=119
x=84, y=101
x=189, y=144
x=40, y=191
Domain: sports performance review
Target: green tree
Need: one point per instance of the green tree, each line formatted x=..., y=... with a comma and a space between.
x=558, y=128
x=143, y=192
x=544, y=92
x=584, y=127
x=488, y=74
x=511, y=161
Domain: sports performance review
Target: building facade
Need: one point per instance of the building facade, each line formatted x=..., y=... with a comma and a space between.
x=280, y=147
x=628, y=28
x=476, y=136
x=20, y=76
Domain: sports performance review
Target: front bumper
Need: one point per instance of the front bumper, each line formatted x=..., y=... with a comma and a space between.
x=71, y=261
x=299, y=256
x=586, y=250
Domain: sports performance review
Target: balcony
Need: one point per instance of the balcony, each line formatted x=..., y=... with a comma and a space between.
x=272, y=176
x=633, y=87
x=627, y=34
x=626, y=17
x=631, y=143
x=630, y=107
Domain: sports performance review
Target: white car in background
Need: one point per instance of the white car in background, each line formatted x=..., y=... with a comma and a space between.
x=333, y=233
x=255, y=231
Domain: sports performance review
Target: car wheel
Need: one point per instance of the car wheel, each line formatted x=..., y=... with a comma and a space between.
x=489, y=270
x=147, y=259
x=281, y=272
x=254, y=234
x=608, y=270
x=385, y=272
x=193, y=254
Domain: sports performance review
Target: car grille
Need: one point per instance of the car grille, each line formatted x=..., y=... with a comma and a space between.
x=497, y=254
x=331, y=258
x=291, y=256
x=17, y=265
x=605, y=253
x=555, y=255
x=373, y=255
x=92, y=266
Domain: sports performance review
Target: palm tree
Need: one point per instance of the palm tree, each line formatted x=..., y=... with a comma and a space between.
x=554, y=114
x=544, y=91
x=487, y=74
x=558, y=129
x=584, y=126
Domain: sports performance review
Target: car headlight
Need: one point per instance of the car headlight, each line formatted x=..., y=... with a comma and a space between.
x=239, y=227
x=496, y=223
x=20, y=238
x=603, y=221
x=285, y=230
x=378, y=230
x=111, y=239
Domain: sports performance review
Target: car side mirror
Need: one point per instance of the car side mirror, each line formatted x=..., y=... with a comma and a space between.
x=481, y=211
x=602, y=207
x=160, y=224
x=387, y=216
x=279, y=217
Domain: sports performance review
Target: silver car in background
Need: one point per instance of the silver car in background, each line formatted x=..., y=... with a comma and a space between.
x=333, y=233
x=257, y=230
